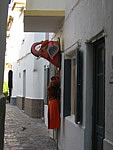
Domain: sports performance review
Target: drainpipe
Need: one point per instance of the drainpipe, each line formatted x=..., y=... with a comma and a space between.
x=3, y=25
x=62, y=106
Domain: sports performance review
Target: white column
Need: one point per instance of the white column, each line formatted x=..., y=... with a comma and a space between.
x=3, y=25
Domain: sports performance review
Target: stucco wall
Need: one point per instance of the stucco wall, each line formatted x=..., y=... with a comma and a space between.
x=108, y=87
x=16, y=37
x=73, y=134
x=84, y=20
x=48, y=4
x=34, y=69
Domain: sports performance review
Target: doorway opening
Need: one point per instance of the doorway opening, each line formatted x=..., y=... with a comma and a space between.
x=98, y=118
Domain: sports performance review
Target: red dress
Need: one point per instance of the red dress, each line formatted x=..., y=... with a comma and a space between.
x=53, y=114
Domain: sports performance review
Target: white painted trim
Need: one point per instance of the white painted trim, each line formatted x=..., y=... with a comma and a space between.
x=70, y=49
x=96, y=37
x=108, y=145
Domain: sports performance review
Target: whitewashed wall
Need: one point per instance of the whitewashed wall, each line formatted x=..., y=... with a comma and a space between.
x=16, y=37
x=34, y=69
x=83, y=20
x=38, y=78
x=108, y=143
x=48, y=4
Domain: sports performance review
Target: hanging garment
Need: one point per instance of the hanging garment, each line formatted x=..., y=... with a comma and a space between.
x=53, y=114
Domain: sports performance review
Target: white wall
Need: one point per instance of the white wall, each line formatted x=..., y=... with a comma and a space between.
x=19, y=53
x=38, y=78
x=16, y=37
x=34, y=69
x=84, y=20
x=73, y=134
x=26, y=43
x=48, y=4
x=16, y=82
x=108, y=144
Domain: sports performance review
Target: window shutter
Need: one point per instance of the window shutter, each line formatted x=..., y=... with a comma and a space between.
x=79, y=87
x=67, y=87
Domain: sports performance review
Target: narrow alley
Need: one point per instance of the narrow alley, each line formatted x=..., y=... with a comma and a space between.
x=25, y=133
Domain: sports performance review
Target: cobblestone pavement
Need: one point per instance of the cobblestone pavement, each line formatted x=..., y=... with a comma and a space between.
x=25, y=133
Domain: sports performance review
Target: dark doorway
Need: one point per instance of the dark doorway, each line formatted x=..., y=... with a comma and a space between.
x=99, y=95
x=24, y=89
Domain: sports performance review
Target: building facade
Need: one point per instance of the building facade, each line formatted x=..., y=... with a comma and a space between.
x=28, y=71
x=85, y=30
x=87, y=69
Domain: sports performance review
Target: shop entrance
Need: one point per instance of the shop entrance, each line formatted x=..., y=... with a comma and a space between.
x=99, y=95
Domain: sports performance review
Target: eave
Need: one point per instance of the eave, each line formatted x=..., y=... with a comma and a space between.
x=43, y=20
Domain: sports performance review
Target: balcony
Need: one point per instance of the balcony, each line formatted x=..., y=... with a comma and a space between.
x=43, y=16
x=17, y=5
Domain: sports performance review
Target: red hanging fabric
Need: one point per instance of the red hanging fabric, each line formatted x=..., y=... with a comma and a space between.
x=53, y=114
x=53, y=103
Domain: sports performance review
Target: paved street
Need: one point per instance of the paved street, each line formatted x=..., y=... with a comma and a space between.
x=25, y=133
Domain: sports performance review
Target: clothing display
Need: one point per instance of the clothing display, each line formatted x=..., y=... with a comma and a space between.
x=53, y=114
x=53, y=103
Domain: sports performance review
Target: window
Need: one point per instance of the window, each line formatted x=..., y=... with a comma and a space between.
x=79, y=86
x=69, y=85
x=73, y=74
x=73, y=86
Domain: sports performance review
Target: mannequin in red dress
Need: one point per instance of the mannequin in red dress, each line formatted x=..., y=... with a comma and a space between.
x=53, y=104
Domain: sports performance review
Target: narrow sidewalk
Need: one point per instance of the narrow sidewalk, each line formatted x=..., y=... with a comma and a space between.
x=25, y=133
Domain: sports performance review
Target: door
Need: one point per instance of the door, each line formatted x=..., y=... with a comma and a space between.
x=24, y=89
x=99, y=95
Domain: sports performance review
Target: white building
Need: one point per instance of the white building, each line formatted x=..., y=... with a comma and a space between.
x=86, y=28
x=28, y=71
